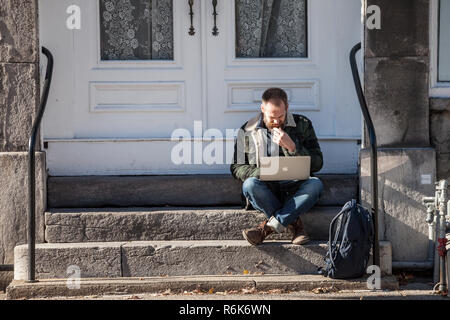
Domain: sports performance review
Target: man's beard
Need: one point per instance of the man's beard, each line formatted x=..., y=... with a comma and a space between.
x=271, y=126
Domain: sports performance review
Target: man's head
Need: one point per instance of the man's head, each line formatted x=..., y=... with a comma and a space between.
x=274, y=108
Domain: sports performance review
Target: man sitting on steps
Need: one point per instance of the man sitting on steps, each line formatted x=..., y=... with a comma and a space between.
x=277, y=132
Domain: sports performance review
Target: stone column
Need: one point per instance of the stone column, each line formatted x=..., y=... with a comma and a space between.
x=19, y=101
x=396, y=88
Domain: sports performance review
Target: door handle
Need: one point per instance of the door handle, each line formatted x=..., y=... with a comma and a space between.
x=215, y=31
x=191, y=13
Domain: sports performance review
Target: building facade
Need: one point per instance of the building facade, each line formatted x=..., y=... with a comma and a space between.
x=132, y=75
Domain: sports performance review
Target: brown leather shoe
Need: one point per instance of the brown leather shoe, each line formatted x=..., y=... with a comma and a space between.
x=299, y=235
x=257, y=235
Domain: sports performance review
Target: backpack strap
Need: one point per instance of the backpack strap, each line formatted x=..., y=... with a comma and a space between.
x=332, y=252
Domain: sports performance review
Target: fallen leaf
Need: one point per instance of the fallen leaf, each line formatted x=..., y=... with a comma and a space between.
x=409, y=277
x=248, y=291
x=246, y=272
x=211, y=291
x=324, y=290
x=197, y=291
x=258, y=264
x=167, y=292
x=275, y=291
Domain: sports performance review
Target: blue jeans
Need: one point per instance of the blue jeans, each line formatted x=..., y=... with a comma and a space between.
x=263, y=199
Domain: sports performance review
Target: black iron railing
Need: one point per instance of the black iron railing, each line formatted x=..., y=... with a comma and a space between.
x=31, y=168
x=373, y=150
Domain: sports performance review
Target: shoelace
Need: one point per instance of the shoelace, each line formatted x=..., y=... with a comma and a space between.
x=263, y=228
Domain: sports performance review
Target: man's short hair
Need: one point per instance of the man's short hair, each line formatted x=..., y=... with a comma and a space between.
x=276, y=95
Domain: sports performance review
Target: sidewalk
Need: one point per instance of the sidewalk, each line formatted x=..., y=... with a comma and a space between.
x=421, y=290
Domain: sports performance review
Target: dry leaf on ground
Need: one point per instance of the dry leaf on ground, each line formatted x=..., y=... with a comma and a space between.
x=321, y=290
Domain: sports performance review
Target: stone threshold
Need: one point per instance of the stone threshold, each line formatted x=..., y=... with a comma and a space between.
x=211, y=284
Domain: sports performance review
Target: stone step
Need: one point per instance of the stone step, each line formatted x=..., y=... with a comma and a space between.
x=159, y=223
x=211, y=285
x=169, y=258
x=177, y=190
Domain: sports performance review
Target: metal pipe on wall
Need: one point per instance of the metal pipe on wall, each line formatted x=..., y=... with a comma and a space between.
x=413, y=265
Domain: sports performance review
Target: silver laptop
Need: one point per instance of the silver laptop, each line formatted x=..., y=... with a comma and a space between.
x=284, y=168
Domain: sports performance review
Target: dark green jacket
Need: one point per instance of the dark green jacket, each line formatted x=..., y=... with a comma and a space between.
x=249, y=145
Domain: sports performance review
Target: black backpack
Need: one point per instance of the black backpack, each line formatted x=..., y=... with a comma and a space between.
x=349, y=251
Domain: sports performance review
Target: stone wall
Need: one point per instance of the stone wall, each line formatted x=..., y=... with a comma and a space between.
x=440, y=135
x=19, y=101
x=396, y=73
x=19, y=67
x=397, y=92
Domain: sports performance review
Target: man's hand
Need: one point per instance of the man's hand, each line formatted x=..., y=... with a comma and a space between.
x=282, y=138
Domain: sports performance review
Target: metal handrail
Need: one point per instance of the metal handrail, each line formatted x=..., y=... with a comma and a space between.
x=373, y=150
x=6, y=267
x=31, y=169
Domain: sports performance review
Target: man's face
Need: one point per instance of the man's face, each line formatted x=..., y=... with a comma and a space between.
x=274, y=116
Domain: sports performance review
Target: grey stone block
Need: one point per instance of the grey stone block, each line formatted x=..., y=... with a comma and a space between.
x=396, y=90
x=401, y=212
x=19, y=100
x=161, y=258
x=134, y=224
x=54, y=260
x=19, y=31
x=440, y=104
x=440, y=138
x=385, y=258
x=182, y=190
x=14, y=204
x=404, y=29
x=141, y=259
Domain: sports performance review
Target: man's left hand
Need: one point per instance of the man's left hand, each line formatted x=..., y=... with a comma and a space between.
x=282, y=138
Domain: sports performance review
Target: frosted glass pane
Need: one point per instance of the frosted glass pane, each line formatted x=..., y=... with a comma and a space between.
x=136, y=29
x=444, y=41
x=271, y=29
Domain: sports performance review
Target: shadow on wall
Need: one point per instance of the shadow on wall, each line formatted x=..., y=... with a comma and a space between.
x=5, y=279
x=402, y=183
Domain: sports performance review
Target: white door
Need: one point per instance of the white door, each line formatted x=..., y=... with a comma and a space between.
x=133, y=74
x=301, y=46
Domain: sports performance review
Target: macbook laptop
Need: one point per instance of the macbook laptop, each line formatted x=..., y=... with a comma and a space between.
x=284, y=168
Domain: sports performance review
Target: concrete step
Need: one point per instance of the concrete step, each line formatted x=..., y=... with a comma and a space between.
x=181, y=190
x=169, y=258
x=157, y=223
x=211, y=285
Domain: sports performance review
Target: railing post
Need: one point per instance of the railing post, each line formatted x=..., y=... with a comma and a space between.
x=31, y=169
x=373, y=150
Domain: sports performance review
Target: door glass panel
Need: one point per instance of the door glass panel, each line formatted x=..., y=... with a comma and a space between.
x=136, y=29
x=271, y=28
